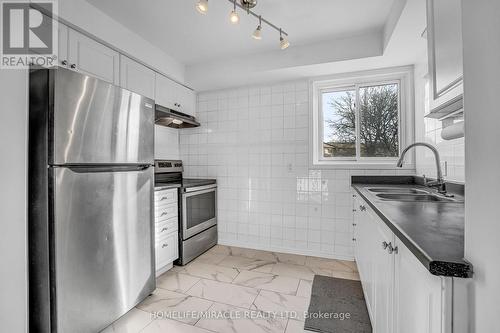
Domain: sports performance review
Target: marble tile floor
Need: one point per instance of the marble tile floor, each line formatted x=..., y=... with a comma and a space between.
x=230, y=289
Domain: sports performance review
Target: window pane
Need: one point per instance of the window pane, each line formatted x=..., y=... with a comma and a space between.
x=339, y=121
x=379, y=110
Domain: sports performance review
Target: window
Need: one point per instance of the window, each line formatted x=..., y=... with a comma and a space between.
x=359, y=120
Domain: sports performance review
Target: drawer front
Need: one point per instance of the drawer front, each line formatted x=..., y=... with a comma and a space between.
x=163, y=228
x=165, y=197
x=166, y=212
x=166, y=250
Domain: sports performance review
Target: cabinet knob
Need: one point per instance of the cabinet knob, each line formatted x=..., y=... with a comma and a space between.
x=392, y=249
x=385, y=245
x=73, y=66
x=164, y=229
x=64, y=62
x=164, y=245
x=362, y=208
x=354, y=239
x=354, y=224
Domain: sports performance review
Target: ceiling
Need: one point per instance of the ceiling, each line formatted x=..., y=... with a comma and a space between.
x=404, y=46
x=191, y=38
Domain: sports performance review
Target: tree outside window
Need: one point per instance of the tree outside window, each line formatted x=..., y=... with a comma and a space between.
x=361, y=122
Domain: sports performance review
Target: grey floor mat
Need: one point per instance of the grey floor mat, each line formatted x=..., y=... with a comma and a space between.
x=337, y=298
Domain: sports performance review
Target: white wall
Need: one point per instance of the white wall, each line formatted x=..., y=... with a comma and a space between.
x=255, y=141
x=166, y=143
x=13, y=209
x=481, y=35
x=429, y=130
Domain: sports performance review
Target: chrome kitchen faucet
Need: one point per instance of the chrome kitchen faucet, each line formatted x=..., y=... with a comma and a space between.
x=439, y=182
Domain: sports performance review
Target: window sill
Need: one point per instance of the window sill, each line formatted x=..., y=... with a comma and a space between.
x=361, y=165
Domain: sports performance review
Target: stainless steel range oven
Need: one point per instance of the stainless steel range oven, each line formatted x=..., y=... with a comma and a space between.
x=197, y=209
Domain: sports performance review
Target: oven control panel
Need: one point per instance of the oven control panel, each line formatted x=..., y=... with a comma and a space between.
x=162, y=166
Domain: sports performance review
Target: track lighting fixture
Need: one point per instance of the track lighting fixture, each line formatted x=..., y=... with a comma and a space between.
x=202, y=6
x=284, y=43
x=247, y=5
x=257, y=34
x=234, y=17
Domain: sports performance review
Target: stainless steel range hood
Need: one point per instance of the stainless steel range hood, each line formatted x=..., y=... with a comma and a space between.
x=175, y=119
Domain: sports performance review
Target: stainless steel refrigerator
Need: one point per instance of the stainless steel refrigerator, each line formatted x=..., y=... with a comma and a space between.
x=90, y=219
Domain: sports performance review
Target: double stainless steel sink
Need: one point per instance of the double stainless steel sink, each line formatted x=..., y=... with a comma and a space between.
x=408, y=194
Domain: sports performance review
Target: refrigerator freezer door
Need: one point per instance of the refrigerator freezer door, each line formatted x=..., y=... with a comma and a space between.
x=95, y=122
x=103, y=242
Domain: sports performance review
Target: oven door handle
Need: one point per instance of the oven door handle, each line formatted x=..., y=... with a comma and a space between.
x=200, y=188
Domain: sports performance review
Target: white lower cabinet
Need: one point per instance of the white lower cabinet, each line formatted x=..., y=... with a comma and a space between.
x=166, y=229
x=166, y=250
x=420, y=296
x=402, y=296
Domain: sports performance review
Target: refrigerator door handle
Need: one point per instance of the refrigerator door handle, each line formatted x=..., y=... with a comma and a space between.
x=105, y=168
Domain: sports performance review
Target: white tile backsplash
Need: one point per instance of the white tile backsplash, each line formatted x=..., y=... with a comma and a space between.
x=166, y=143
x=255, y=141
x=452, y=152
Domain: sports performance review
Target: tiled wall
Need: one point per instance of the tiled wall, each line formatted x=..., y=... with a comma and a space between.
x=451, y=151
x=429, y=130
x=166, y=143
x=255, y=141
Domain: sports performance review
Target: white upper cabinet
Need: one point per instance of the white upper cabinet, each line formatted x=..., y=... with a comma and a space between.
x=444, y=39
x=63, y=32
x=137, y=77
x=165, y=92
x=90, y=57
x=187, y=101
x=174, y=96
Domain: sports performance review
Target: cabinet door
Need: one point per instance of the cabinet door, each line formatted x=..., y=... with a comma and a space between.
x=364, y=252
x=186, y=100
x=418, y=301
x=167, y=250
x=62, y=40
x=165, y=93
x=383, y=276
x=63, y=32
x=444, y=37
x=136, y=77
x=93, y=58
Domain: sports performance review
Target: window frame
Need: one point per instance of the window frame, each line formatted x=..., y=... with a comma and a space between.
x=403, y=76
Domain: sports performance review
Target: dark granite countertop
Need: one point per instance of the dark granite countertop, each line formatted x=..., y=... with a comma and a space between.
x=432, y=231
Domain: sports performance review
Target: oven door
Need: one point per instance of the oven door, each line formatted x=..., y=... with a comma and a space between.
x=199, y=209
